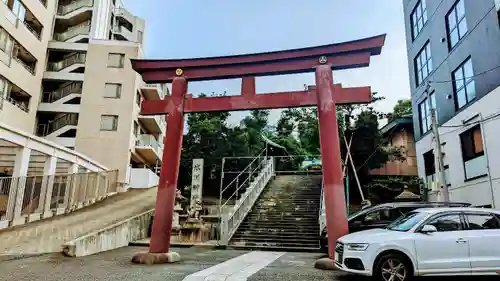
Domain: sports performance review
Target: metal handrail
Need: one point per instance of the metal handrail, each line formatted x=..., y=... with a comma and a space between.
x=231, y=221
x=73, y=5
x=68, y=61
x=237, y=178
x=37, y=34
x=64, y=120
x=82, y=28
x=25, y=65
x=22, y=106
x=75, y=87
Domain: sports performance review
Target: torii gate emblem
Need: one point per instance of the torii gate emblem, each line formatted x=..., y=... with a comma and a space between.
x=325, y=95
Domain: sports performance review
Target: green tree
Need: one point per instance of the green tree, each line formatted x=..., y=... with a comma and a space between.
x=402, y=107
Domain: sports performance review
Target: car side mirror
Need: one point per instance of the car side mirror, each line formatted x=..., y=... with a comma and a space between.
x=428, y=229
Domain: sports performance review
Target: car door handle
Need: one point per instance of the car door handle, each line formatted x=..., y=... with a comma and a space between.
x=461, y=240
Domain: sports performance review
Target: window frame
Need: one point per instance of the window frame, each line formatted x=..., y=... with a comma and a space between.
x=121, y=64
x=118, y=91
x=470, y=132
x=426, y=49
x=456, y=28
x=426, y=105
x=421, y=7
x=465, y=83
x=440, y=215
x=467, y=222
x=115, y=123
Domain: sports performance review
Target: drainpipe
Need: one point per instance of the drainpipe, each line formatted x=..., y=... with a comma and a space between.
x=487, y=159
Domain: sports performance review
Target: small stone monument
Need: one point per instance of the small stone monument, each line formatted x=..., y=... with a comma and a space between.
x=194, y=230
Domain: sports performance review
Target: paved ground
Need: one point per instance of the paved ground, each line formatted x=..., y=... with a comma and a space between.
x=48, y=235
x=115, y=265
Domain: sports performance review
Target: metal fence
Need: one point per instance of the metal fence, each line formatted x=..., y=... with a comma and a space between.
x=298, y=164
x=26, y=197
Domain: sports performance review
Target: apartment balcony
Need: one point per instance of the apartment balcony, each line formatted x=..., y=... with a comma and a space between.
x=24, y=58
x=125, y=17
x=152, y=124
x=18, y=98
x=154, y=91
x=32, y=24
x=149, y=149
x=123, y=34
x=75, y=33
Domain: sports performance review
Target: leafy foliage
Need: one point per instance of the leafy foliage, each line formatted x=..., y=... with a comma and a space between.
x=210, y=137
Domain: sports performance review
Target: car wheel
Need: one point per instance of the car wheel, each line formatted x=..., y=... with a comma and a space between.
x=393, y=267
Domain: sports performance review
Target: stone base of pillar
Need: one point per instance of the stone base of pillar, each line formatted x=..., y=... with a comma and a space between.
x=4, y=224
x=60, y=211
x=156, y=258
x=325, y=264
x=48, y=214
x=19, y=221
x=34, y=217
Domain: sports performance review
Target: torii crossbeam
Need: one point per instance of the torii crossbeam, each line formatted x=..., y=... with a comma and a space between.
x=325, y=95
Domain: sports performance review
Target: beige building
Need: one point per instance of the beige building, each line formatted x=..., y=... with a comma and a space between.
x=66, y=77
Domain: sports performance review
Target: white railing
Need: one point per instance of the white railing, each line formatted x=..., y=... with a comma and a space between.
x=256, y=176
x=149, y=140
x=158, y=87
x=45, y=196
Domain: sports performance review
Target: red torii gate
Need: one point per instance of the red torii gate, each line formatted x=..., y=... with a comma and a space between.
x=321, y=59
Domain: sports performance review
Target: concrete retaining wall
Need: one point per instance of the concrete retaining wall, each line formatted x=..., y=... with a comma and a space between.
x=111, y=237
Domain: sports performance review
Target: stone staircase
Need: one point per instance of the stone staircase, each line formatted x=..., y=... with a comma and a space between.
x=284, y=217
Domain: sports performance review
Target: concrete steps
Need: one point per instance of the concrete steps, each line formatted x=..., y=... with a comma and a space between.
x=285, y=217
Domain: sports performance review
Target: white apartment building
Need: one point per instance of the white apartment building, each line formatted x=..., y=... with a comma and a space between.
x=453, y=61
x=66, y=76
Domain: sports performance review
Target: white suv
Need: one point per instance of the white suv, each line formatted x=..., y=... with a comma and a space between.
x=437, y=241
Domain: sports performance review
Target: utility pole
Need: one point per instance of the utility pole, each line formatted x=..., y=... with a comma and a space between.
x=438, y=153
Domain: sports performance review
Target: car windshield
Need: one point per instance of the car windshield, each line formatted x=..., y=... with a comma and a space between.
x=407, y=221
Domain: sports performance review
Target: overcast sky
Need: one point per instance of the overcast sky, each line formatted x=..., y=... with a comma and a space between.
x=202, y=28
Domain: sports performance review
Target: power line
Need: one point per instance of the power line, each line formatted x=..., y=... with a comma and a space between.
x=468, y=33
x=465, y=78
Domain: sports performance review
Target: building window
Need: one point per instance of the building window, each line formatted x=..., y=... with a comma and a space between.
x=112, y=90
x=430, y=167
x=423, y=63
x=116, y=60
x=109, y=122
x=456, y=24
x=473, y=153
x=418, y=18
x=482, y=221
x=6, y=42
x=424, y=113
x=140, y=36
x=463, y=84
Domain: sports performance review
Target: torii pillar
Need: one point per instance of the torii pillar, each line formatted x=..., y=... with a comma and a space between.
x=325, y=95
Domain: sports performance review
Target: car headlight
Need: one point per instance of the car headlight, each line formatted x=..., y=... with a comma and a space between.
x=357, y=247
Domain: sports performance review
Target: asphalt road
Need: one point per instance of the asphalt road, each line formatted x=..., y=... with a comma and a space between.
x=116, y=265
